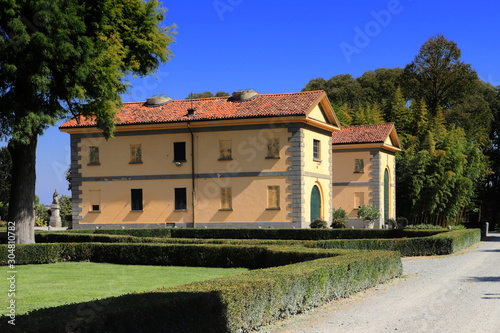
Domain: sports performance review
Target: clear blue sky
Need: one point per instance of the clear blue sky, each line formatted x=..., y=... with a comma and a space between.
x=278, y=46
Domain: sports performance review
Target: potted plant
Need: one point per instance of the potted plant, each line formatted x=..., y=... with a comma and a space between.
x=368, y=213
x=339, y=218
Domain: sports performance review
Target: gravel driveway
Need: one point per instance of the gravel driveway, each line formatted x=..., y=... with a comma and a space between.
x=445, y=294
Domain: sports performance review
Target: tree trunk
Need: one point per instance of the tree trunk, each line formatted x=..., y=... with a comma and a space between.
x=22, y=191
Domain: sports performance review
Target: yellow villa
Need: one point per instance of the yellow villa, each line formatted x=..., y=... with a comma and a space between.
x=248, y=161
x=364, y=165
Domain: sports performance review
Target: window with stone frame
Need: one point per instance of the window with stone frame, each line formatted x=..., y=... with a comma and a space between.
x=359, y=165
x=273, y=148
x=273, y=197
x=94, y=155
x=316, y=150
x=225, y=151
x=226, y=198
x=135, y=153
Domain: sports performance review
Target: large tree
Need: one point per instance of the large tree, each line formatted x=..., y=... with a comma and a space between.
x=60, y=57
x=5, y=179
x=437, y=74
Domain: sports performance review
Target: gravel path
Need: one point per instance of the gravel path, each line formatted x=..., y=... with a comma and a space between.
x=446, y=294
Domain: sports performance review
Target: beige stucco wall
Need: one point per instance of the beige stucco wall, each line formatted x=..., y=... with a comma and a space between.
x=316, y=113
x=249, y=200
x=249, y=151
x=317, y=173
x=388, y=161
x=114, y=155
x=311, y=165
x=351, y=189
x=115, y=205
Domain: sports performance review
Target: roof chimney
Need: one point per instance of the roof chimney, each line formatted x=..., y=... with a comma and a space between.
x=158, y=100
x=244, y=95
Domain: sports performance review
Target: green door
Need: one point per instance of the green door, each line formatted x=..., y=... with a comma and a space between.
x=386, y=194
x=315, y=203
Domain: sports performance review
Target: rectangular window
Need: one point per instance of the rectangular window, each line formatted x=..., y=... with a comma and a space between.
x=273, y=197
x=180, y=151
x=136, y=199
x=359, y=199
x=95, y=200
x=135, y=154
x=180, y=198
x=316, y=150
x=225, y=150
x=273, y=148
x=94, y=155
x=226, y=198
x=359, y=166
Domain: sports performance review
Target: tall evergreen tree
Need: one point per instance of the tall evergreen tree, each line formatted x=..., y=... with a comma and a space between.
x=68, y=56
x=438, y=75
x=376, y=114
x=395, y=110
x=343, y=114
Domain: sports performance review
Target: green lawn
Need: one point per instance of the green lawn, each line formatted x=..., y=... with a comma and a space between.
x=39, y=286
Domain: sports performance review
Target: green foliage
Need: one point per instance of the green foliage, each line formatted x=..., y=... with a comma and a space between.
x=5, y=177
x=437, y=74
x=339, y=218
x=230, y=304
x=401, y=222
x=279, y=235
x=318, y=224
x=343, y=114
x=340, y=89
x=66, y=209
x=206, y=94
x=61, y=58
x=423, y=226
x=441, y=243
x=368, y=213
x=391, y=223
x=69, y=282
x=42, y=214
x=449, y=133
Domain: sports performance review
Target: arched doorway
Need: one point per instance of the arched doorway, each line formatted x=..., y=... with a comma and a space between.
x=386, y=194
x=315, y=203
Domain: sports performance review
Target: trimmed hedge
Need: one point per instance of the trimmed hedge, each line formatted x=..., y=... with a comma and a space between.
x=230, y=304
x=440, y=244
x=435, y=244
x=60, y=237
x=140, y=254
x=295, y=234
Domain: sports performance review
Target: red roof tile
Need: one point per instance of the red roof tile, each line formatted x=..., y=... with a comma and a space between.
x=216, y=108
x=362, y=134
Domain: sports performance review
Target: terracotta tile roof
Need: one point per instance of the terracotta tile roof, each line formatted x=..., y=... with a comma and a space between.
x=362, y=134
x=216, y=108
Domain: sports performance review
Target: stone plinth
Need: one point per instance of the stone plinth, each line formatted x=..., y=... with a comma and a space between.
x=55, y=217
